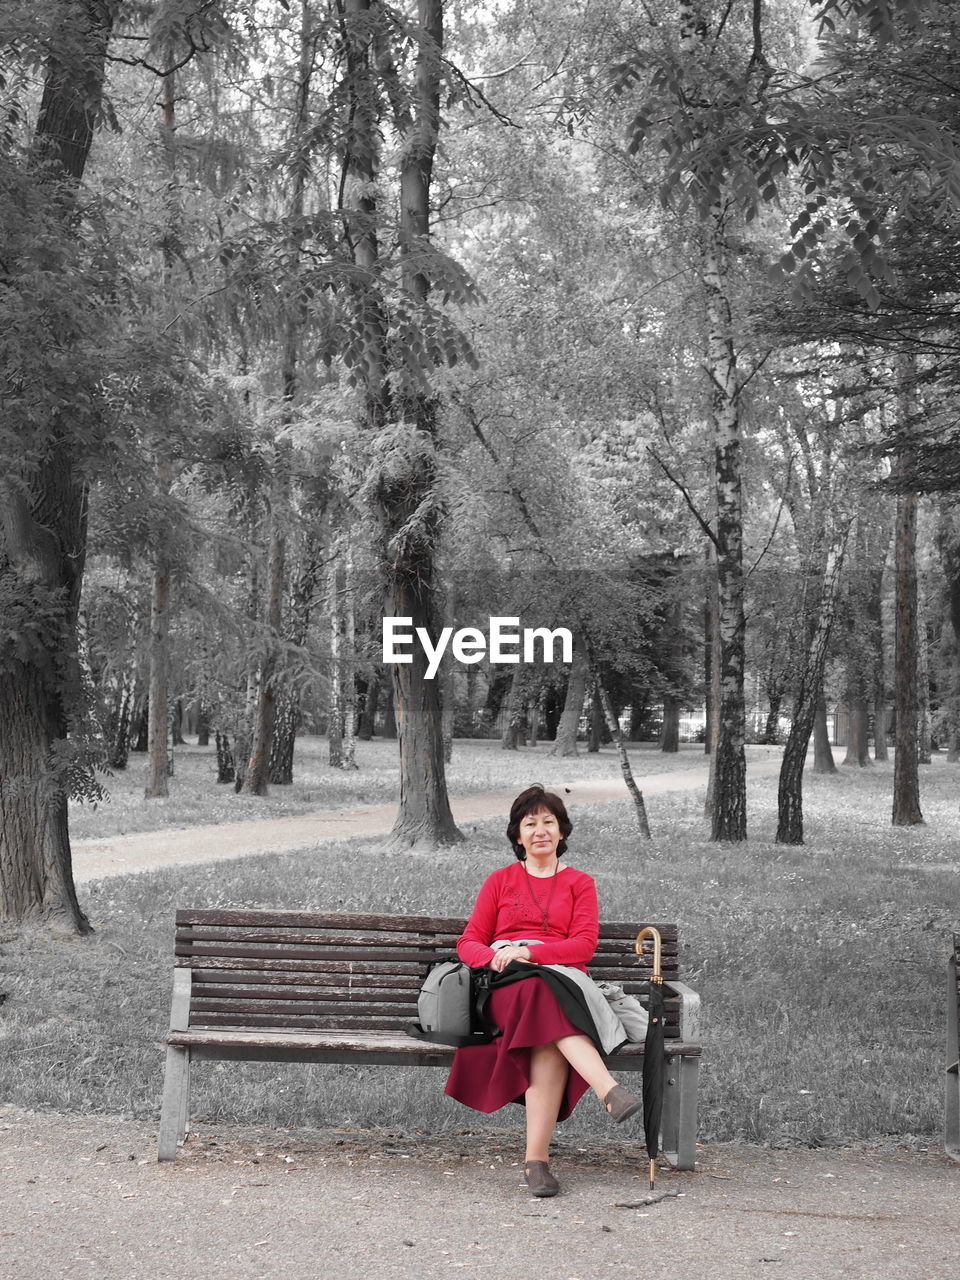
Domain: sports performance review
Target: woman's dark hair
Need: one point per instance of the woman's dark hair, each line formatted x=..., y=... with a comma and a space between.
x=532, y=801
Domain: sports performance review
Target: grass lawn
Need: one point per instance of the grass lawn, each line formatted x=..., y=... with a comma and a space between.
x=821, y=970
x=478, y=765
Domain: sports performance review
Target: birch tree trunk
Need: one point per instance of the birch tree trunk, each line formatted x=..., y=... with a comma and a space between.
x=729, y=816
x=613, y=724
x=809, y=696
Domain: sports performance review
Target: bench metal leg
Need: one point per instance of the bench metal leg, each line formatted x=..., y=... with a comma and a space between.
x=951, y=1110
x=679, y=1125
x=175, y=1110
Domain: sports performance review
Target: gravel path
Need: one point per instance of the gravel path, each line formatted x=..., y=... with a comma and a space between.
x=85, y=1196
x=174, y=846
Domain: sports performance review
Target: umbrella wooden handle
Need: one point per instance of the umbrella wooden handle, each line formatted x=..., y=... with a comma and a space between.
x=654, y=936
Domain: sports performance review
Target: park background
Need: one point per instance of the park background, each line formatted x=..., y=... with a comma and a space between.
x=632, y=319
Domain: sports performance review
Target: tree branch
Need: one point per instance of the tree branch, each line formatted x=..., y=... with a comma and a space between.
x=773, y=531
x=686, y=494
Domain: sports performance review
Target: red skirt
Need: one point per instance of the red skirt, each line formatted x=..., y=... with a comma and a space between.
x=488, y=1076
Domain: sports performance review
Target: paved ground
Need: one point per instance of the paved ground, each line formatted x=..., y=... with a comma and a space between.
x=84, y=1196
x=150, y=850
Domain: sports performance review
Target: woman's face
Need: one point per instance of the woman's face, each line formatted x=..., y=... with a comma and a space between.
x=539, y=835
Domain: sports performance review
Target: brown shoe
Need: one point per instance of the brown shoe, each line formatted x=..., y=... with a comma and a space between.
x=620, y=1104
x=539, y=1178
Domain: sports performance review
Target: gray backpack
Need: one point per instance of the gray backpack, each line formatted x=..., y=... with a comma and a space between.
x=450, y=1006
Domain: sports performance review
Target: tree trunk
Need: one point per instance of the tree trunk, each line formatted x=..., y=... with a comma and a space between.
x=348, y=665
x=285, y=725
x=407, y=498
x=287, y=715
x=709, y=645
x=858, y=752
x=470, y=711
x=119, y=732
x=256, y=774
x=368, y=716
x=203, y=725
x=176, y=724
x=226, y=766
x=924, y=727
x=511, y=727
x=670, y=732
x=771, y=730
x=565, y=743
x=159, y=718
x=424, y=817
x=876, y=679
x=335, y=697
x=729, y=817
x=613, y=725
x=880, y=724
x=390, y=712
x=823, y=761
x=533, y=721
x=142, y=739
x=43, y=533
x=948, y=544
x=713, y=704
x=808, y=700
x=906, y=776
x=448, y=683
x=595, y=720
x=36, y=877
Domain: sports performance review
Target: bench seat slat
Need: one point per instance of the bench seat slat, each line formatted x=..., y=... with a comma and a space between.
x=370, y=1042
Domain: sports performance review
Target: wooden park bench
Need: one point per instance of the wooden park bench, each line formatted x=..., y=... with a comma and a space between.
x=304, y=986
x=951, y=1121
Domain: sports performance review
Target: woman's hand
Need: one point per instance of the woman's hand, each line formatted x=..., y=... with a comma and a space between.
x=503, y=955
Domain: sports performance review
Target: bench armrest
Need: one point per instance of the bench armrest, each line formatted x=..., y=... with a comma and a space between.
x=689, y=1010
x=180, y=1004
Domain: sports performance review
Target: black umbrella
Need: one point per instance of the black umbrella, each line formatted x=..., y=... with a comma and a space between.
x=653, y=1051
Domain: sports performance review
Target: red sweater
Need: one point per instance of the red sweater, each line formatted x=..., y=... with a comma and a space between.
x=505, y=909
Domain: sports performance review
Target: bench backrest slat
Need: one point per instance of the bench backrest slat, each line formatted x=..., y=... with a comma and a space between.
x=347, y=970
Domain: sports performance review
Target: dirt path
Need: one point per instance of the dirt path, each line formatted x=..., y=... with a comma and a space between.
x=85, y=1196
x=176, y=846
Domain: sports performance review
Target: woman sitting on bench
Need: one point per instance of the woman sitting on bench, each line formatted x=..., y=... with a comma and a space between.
x=536, y=912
